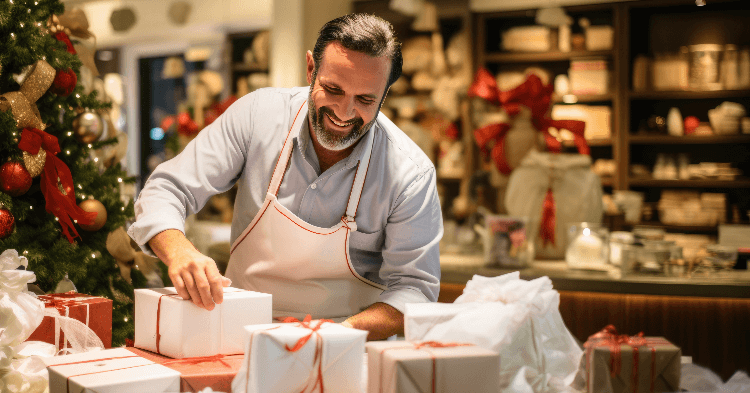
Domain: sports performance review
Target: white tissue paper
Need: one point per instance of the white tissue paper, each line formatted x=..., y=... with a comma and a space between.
x=21, y=365
x=20, y=313
x=519, y=319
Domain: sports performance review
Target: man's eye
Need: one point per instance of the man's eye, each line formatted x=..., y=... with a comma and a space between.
x=332, y=90
x=366, y=101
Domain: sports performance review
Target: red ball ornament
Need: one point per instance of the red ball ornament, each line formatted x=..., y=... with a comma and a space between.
x=691, y=123
x=7, y=222
x=15, y=180
x=64, y=83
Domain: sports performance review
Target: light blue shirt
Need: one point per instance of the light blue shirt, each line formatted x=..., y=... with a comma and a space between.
x=399, y=221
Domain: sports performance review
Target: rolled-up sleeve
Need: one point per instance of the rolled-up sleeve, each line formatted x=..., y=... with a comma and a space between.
x=209, y=164
x=411, y=254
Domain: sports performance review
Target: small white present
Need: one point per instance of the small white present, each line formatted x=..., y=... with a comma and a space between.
x=169, y=325
x=109, y=371
x=292, y=357
x=403, y=366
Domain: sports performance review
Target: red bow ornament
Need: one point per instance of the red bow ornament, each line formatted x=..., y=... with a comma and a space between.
x=532, y=94
x=56, y=182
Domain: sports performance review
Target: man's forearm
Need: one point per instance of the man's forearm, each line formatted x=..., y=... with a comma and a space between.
x=380, y=319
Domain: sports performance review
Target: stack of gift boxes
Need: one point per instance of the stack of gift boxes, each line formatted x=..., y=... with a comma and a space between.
x=180, y=347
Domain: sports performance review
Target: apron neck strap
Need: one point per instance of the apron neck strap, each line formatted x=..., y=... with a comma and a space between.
x=286, y=153
x=360, y=176
x=286, y=150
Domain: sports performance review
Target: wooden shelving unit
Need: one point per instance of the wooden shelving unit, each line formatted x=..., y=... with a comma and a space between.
x=237, y=44
x=642, y=27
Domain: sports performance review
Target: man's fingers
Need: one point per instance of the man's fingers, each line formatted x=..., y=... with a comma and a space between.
x=179, y=286
x=187, y=277
x=215, y=283
x=204, y=289
x=226, y=282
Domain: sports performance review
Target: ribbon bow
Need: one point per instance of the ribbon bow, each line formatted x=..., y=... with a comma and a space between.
x=308, y=323
x=22, y=103
x=185, y=124
x=608, y=337
x=532, y=94
x=56, y=182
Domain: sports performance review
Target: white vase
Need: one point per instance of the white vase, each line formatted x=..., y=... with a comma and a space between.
x=675, y=125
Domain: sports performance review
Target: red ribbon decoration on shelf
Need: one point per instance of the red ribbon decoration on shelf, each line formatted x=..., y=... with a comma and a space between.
x=547, y=228
x=536, y=96
x=58, y=202
x=532, y=94
x=185, y=124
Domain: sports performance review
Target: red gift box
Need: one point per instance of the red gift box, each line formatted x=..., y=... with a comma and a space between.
x=95, y=312
x=216, y=372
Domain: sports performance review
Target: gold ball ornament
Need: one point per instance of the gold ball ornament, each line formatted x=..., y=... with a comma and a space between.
x=88, y=127
x=92, y=205
x=35, y=163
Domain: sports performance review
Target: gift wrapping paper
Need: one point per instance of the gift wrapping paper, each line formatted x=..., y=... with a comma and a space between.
x=196, y=374
x=631, y=364
x=109, y=371
x=428, y=367
x=169, y=325
x=95, y=312
x=294, y=357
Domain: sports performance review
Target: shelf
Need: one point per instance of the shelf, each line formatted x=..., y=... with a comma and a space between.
x=241, y=67
x=737, y=183
x=583, y=98
x=590, y=142
x=688, y=140
x=526, y=57
x=680, y=228
x=688, y=95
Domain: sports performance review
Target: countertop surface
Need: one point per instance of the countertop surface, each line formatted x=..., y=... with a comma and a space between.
x=458, y=269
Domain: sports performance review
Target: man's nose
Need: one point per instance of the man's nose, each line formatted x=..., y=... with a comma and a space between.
x=346, y=108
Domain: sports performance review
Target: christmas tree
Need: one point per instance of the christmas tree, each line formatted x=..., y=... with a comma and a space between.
x=58, y=201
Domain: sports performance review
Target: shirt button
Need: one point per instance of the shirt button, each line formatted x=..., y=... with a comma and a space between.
x=314, y=186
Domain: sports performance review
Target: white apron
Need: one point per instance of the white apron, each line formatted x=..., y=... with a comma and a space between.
x=306, y=268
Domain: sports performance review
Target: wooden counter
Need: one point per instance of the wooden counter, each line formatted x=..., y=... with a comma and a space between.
x=708, y=317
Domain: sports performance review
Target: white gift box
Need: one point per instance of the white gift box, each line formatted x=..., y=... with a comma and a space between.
x=109, y=371
x=271, y=366
x=187, y=330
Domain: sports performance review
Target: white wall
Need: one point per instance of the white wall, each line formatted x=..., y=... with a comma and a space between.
x=208, y=19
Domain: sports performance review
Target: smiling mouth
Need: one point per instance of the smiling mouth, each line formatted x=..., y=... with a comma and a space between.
x=340, y=124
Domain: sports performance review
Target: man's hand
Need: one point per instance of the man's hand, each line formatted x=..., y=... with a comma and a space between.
x=194, y=275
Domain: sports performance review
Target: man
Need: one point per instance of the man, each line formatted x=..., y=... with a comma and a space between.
x=337, y=213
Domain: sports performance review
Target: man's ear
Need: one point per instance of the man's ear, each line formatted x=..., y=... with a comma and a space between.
x=310, y=67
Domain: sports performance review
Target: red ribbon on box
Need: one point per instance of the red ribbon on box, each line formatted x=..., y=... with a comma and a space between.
x=608, y=337
x=420, y=346
x=63, y=302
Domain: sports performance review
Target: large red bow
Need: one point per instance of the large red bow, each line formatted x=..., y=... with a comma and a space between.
x=532, y=94
x=56, y=182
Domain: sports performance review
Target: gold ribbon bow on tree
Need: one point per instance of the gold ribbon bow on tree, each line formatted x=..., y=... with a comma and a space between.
x=23, y=102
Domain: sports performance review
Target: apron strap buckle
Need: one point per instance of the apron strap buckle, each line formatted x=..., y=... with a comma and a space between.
x=349, y=223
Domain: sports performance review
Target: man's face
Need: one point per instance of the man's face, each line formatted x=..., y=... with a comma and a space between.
x=345, y=95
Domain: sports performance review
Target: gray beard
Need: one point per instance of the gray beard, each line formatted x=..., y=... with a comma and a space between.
x=329, y=139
